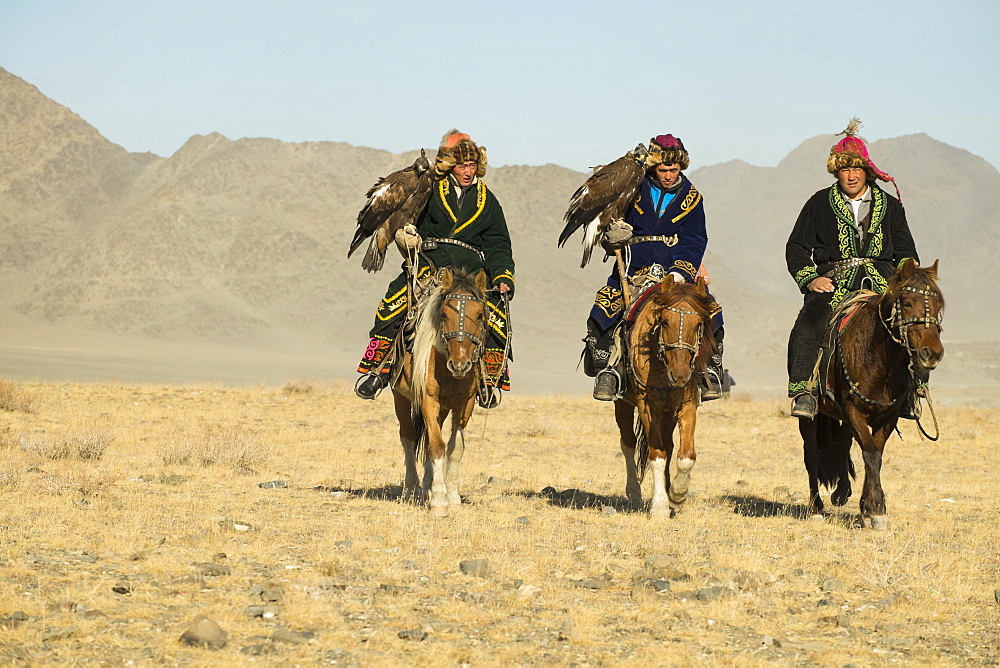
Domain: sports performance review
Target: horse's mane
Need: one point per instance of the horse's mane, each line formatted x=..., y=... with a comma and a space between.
x=428, y=327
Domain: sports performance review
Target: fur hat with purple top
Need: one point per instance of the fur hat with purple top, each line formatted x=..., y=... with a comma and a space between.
x=669, y=150
x=851, y=151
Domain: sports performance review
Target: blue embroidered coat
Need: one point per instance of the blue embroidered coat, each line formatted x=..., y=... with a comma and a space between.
x=683, y=219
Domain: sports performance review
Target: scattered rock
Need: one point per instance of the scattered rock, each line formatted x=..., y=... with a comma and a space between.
x=342, y=544
x=529, y=591
x=567, y=632
x=714, y=593
x=213, y=570
x=293, y=637
x=832, y=584
x=92, y=614
x=593, y=583
x=123, y=586
x=260, y=649
x=16, y=618
x=886, y=602
x=525, y=521
x=493, y=480
x=274, y=484
x=996, y=595
x=477, y=567
x=608, y=511
x=272, y=593
x=742, y=483
x=393, y=589
x=203, y=632
x=686, y=595
x=263, y=611
x=413, y=634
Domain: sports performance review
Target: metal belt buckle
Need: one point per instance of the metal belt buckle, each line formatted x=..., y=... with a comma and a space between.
x=430, y=244
x=671, y=240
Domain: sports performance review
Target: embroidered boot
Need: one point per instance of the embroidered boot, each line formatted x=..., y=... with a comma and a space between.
x=712, y=382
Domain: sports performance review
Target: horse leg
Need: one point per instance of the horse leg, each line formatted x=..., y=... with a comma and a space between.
x=407, y=437
x=873, y=513
x=456, y=448
x=810, y=450
x=660, y=448
x=844, y=440
x=625, y=417
x=686, y=456
x=436, y=463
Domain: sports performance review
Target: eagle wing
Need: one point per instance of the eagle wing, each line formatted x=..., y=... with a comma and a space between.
x=603, y=198
x=393, y=202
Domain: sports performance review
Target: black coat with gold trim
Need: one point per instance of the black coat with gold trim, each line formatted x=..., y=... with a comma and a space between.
x=825, y=233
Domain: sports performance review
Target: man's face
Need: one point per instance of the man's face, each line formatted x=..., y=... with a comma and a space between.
x=852, y=181
x=667, y=175
x=465, y=172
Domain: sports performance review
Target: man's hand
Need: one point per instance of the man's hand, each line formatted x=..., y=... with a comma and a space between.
x=503, y=288
x=820, y=284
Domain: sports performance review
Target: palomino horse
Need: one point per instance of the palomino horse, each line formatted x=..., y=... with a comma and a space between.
x=441, y=376
x=669, y=343
x=886, y=341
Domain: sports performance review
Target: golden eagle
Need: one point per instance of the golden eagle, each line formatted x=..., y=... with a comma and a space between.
x=605, y=197
x=393, y=202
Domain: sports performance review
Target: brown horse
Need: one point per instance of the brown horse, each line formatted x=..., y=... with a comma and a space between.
x=669, y=343
x=886, y=340
x=441, y=376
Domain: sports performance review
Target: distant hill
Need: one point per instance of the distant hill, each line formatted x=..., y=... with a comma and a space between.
x=240, y=246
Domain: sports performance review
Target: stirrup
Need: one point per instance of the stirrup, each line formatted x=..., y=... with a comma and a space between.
x=712, y=387
x=607, y=385
x=370, y=385
x=488, y=396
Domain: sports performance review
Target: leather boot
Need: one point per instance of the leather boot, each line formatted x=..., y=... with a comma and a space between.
x=606, y=385
x=488, y=396
x=804, y=405
x=370, y=385
x=712, y=382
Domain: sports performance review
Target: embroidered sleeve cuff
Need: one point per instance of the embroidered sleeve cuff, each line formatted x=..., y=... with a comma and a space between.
x=685, y=269
x=804, y=276
x=505, y=277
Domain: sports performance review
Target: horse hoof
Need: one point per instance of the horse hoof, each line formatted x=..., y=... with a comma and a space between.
x=876, y=522
x=439, y=511
x=656, y=513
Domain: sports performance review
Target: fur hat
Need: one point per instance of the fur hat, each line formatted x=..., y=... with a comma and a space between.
x=668, y=149
x=455, y=148
x=851, y=151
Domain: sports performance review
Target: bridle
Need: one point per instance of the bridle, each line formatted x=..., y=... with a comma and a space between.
x=895, y=324
x=461, y=333
x=680, y=344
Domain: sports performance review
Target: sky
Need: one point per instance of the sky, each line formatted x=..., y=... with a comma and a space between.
x=571, y=83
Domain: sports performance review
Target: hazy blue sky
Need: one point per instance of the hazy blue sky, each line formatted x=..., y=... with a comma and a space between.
x=572, y=83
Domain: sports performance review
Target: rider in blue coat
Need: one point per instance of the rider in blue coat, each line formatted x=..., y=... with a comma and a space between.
x=667, y=233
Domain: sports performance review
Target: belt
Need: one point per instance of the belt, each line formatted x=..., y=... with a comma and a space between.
x=430, y=243
x=670, y=240
x=841, y=266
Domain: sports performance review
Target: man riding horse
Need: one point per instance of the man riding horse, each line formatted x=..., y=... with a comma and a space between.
x=662, y=231
x=848, y=236
x=462, y=226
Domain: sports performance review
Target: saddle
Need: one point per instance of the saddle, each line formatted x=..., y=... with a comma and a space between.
x=842, y=315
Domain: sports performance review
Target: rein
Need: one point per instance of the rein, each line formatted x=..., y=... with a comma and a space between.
x=662, y=347
x=462, y=333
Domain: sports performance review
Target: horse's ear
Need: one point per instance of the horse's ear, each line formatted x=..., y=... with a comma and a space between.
x=906, y=271
x=667, y=284
x=447, y=278
x=931, y=271
x=700, y=287
x=481, y=280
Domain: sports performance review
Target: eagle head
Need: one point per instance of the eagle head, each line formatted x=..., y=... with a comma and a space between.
x=640, y=153
x=421, y=164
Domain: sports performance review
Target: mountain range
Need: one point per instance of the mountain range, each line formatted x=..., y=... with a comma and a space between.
x=227, y=260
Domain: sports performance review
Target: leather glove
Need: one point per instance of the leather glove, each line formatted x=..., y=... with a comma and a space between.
x=407, y=238
x=618, y=232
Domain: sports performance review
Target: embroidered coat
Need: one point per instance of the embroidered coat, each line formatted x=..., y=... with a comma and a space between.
x=683, y=219
x=478, y=222
x=825, y=233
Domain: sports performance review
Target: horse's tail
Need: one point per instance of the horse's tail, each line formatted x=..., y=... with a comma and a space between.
x=419, y=434
x=642, y=448
x=826, y=440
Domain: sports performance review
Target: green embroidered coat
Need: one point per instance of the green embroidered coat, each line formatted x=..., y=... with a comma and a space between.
x=479, y=222
x=825, y=233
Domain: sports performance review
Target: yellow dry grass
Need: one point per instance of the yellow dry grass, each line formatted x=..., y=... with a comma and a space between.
x=108, y=486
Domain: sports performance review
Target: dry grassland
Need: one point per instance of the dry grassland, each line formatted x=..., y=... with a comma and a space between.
x=129, y=510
